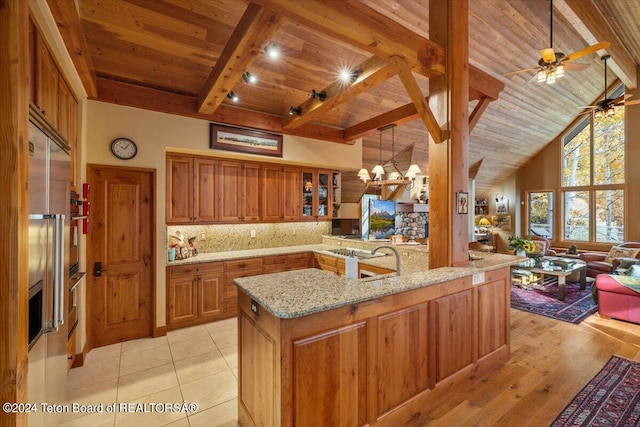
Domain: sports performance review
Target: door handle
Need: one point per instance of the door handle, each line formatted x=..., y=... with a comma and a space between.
x=97, y=269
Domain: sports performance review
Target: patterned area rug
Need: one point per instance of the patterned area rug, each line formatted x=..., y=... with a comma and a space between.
x=543, y=300
x=611, y=398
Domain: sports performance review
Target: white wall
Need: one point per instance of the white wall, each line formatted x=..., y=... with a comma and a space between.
x=156, y=133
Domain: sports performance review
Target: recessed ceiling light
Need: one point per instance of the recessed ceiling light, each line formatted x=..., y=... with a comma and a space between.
x=272, y=50
x=349, y=76
x=232, y=96
x=249, y=78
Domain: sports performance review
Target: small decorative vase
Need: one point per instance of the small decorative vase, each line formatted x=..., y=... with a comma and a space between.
x=520, y=252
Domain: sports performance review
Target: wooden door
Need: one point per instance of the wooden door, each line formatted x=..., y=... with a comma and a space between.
x=121, y=238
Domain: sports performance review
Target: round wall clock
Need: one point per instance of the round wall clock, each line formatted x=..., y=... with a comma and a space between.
x=124, y=148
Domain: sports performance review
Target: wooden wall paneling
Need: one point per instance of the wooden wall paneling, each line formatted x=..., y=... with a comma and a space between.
x=14, y=110
x=493, y=329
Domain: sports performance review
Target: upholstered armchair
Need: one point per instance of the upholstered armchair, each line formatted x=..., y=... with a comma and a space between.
x=546, y=250
x=618, y=256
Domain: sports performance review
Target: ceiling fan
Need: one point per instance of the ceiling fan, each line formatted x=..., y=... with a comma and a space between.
x=552, y=65
x=606, y=107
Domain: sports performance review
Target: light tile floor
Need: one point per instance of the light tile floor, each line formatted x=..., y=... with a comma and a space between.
x=194, y=365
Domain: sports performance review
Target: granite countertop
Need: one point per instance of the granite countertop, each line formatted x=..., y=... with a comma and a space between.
x=250, y=253
x=299, y=293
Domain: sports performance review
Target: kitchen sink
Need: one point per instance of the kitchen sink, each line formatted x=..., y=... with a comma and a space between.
x=358, y=253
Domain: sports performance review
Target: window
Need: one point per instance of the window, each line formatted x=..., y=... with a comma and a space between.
x=593, y=176
x=540, y=216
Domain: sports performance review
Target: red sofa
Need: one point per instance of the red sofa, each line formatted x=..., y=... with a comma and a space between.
x=617, y=301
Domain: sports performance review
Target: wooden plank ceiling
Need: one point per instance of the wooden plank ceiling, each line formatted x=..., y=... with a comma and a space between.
x=184, y=56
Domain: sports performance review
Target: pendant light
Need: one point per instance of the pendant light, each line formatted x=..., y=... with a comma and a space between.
x=396, y=177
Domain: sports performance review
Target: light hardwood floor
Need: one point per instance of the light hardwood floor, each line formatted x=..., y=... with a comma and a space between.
x=550, y=362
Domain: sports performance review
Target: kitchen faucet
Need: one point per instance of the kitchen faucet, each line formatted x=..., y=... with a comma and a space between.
x=395, y=251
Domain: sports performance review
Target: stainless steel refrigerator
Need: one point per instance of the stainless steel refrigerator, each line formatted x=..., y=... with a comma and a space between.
x=49, y=194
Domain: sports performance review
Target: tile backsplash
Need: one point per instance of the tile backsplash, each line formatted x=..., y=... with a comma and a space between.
x=233, y=237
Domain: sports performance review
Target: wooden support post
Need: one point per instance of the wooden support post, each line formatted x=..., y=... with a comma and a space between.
x=448, y=161
x=14, y=148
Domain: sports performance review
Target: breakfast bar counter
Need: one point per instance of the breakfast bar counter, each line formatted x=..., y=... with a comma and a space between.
x=317, y=349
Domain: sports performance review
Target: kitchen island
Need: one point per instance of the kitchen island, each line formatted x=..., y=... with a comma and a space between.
x=317, y=349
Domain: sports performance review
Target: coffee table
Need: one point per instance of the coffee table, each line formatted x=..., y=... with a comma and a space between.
x=579, y=268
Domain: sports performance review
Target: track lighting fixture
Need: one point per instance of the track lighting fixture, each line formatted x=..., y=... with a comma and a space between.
x=232, y=96
x=249, y=78
x=272, y=50
x=295, y=110
x=321, y=96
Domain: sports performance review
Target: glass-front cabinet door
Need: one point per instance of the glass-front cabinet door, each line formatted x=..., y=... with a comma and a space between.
x=316, y=194
x=324, y=191
x=308, y=187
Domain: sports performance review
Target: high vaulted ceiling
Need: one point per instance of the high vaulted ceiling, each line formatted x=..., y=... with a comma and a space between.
x=184, y=56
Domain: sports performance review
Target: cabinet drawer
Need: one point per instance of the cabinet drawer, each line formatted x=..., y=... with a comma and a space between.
x=190, y=269
x=300, y=261
x=271, y=260
x=243, y=264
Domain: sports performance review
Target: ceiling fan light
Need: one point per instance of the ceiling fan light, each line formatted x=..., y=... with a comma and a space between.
x=597, y=114
x=542, y=75
x=560, y=71
x=551, y=78
x=611, y=111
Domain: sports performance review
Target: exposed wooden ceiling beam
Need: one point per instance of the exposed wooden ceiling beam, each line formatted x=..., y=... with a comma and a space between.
x=67, y=20
x=587, y=19
x=413, y=89
x=171, y=103
x=398, y=116
x=372, y=72
x=483, y=85
x=480, y=107
x=255, y=28
x=357, y=24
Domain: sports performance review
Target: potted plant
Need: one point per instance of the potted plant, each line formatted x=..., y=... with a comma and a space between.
x=521, y=245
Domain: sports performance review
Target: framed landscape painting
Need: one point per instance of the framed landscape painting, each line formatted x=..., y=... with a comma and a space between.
x=245, y=140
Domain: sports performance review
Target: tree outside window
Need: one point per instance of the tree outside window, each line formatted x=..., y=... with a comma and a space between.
x=593, y=175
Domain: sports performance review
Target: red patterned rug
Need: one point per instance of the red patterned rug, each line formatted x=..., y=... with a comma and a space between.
x=611, y=398
x=543, y=300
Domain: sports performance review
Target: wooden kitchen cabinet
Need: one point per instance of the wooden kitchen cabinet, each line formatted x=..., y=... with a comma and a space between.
x=330, y=263
x=191, y=189
x=47, y=78
x=291, y=194
x=239, y=191
x=234, y=270
x=272, y=193
x=194, y=294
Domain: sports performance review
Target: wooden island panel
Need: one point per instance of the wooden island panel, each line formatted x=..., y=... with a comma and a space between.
x=377, y=362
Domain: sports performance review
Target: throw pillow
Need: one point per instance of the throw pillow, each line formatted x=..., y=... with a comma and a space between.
x=621, y=252
x=633, y=271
